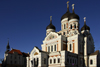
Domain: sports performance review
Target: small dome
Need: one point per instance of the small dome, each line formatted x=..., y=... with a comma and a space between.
x=66, y=15
x=50, y=26
x=85, y=27
x=73, y=16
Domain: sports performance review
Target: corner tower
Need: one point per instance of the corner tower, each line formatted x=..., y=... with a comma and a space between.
x=64, y=21
x=73, y=23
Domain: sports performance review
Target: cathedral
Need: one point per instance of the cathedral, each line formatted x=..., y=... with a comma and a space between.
x=70, y=47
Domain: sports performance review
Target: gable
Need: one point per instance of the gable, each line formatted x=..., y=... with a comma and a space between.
x=35, y=51
x=51, y=35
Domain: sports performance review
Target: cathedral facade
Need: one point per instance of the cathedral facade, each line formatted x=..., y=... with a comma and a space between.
x=70, y=47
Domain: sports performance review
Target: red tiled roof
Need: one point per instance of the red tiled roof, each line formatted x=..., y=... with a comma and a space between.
x=15, y=50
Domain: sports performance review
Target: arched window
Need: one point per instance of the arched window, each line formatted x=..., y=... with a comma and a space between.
x=37, y=61
x=58, y=60
x=71, y=26
x=55, y=48
x=54, y=60
x=48, y=48
x=34, y=61
x=70, y=47
x=50, y=61
x=74, y=25
x=64, y=33
x=64, y=26
x=91, y=61
x=51, y=48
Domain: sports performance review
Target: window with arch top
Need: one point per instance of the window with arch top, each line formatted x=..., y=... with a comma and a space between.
x=74, y=25
x=64, y=26
x=70, y=47
x=91, y=61
x=71, y=26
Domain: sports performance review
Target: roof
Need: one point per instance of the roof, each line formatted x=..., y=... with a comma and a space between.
x=95, y=53
x=19, y=52
x=15, y=50
x=25, y=54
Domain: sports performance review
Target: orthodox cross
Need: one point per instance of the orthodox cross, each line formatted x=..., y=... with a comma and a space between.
x=84, y=19
x=67, y=4
x=50, y=18
x=73, y=6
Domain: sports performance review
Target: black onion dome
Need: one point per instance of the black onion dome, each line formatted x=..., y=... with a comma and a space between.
x=73, y=16
x=50, y=26
x=85, y=27
x=66, y=15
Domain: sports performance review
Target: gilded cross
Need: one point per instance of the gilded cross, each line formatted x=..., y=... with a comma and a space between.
x=67, y=3
x=50, y=17
x=84, y=18
x=73, y=6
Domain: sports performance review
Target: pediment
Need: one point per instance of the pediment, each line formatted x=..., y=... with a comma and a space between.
x=35, y=51
x=51, y=35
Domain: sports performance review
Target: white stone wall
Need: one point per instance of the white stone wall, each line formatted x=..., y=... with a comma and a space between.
x=94, y=58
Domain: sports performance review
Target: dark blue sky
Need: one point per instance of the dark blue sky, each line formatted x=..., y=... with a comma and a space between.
x=24, y=21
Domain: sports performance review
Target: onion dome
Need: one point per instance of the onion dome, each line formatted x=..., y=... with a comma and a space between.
x=67, y=14
x=73, y=15
x=50, y=26
x=85, y=27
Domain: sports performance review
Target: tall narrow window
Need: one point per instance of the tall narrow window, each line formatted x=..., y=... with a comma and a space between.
x=44, y=60
x=74, y=25
x=50, y=61
x=34, y=62
x=37, y=61
x=51, y=48
x=54, y=60
x=55, y=47
x=58, y=60
x=71, y=26
x=70, y=47
x=75, y=61
x=64, y=33
x=91, y=61
x=68, y=60
x=48, y=48
x=64, y=26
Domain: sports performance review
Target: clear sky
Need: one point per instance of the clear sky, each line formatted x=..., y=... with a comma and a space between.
x=24, y=22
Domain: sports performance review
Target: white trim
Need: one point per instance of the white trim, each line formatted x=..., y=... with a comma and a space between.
x=64, y=19
x=73, y=20
x=50, y=30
